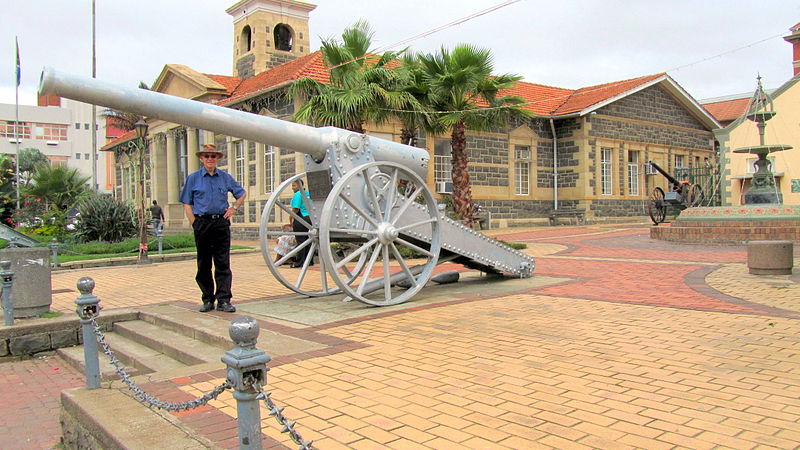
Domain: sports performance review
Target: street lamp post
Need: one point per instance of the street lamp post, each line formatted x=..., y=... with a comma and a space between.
x=141, y=133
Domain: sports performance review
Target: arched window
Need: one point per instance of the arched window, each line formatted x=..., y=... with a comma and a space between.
x=283, y=37
x=245, y=39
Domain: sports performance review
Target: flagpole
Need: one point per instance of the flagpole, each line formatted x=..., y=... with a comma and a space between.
x=94, y=108
x=16, y=123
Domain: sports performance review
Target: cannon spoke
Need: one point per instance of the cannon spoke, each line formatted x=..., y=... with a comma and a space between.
x=276, y=214
x=391, y=223
x=406, y=204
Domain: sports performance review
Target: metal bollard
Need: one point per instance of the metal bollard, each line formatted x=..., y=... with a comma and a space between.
x=8, y=283
x=54, y=248
x=88, y=307
x=160, y=242
x=247, y=371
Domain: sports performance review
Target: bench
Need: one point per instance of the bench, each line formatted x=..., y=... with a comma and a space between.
x=576, y=214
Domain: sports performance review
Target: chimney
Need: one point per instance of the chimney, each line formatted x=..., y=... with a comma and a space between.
x=794, y=39
x=49, y=100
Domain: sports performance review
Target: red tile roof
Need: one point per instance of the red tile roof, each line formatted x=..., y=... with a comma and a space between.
x=540, y=99
x=592, y=95
x=125, y=137
x=230, y=83
x=728, y=110
x=308, y=66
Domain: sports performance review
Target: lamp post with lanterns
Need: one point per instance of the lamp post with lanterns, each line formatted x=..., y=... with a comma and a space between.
x=141, y=134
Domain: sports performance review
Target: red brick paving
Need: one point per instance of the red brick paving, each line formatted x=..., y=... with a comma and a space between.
x=30, y=401
x=30, y=389
x=644, y=283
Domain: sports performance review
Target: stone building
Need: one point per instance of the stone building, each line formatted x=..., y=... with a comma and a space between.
x=585, y=149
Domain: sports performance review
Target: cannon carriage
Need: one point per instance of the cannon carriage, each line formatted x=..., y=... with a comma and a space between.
x=376, y=234
x=681, y=195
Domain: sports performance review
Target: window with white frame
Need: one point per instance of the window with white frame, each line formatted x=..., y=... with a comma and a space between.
x=606, y=170
x=183, y=158
x=269, y=169
x=442, y=166
x=238, y=148
x=680, y=161
x=522, y=169
x=633, y=173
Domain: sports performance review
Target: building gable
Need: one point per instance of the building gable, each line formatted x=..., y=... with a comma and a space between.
x=183, y=81
x=653, y=104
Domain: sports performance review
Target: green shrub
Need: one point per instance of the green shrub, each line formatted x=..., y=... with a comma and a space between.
x=103, y=218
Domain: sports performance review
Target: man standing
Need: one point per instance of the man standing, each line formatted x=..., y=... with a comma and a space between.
x=158, y=218
x=205, y=202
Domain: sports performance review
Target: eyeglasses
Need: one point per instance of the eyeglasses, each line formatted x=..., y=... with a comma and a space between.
x=209, y=155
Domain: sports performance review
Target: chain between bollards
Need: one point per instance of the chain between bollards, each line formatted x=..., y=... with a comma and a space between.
x=8, y=283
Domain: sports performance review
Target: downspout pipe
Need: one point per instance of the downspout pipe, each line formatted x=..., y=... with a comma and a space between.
x=555, y=164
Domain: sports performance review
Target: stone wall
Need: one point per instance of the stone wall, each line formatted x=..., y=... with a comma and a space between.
x=617, y=208
x=654, y=106
x=244, y=66
x=25, y=340
x=487, y=150
x=488, y=175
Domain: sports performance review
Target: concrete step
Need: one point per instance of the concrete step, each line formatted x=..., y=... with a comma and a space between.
x=187, y=350
x=107, y=418
x=214, y=330
x=202, y=327
x=74, y=356
x=141, y=357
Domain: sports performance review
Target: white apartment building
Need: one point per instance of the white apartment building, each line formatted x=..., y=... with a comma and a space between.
x=63, y=133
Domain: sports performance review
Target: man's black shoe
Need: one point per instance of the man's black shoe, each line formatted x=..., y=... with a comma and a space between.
x=206, y=307
x=226, y=307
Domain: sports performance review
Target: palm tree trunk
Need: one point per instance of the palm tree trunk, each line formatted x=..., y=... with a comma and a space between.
x=462, y=190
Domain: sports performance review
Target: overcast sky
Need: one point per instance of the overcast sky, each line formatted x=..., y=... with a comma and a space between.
x=564, y=43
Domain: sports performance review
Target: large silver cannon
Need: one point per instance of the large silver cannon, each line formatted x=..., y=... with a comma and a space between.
x=375, y=228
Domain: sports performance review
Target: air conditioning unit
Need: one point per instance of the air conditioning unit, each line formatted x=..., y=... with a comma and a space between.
x=444, y=187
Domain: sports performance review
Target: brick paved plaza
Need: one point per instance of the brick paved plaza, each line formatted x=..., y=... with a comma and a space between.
x=617, y=341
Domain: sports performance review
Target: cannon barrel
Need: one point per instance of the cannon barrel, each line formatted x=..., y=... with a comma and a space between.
x=267, y=130
x=669, y=177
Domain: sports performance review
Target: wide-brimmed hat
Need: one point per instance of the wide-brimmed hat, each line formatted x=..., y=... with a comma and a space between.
x=209, y=148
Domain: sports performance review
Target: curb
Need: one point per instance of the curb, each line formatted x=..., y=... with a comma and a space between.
x=132, y=260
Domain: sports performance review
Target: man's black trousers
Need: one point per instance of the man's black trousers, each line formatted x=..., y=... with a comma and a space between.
x=212, y=236
x=297, y=226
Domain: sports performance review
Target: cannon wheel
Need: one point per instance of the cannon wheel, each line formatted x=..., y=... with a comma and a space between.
x=303, y=283
x=656, y=207
x=695, y=196
x=387, y=191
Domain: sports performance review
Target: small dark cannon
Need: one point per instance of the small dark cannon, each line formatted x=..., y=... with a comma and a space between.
x=682, y=195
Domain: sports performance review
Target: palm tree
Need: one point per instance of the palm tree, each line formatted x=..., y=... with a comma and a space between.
x=363, y=87
x=462, y=89
x=61, y=188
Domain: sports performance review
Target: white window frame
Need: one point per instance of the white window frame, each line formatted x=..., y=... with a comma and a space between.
x=606, y=171
x=269, y=169
x=633, y=172
x=443, y=168
x=522, y=169
x=238, y=148
x=680, y=162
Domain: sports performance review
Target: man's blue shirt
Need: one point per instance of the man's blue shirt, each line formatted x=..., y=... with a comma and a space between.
x=208, y=194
